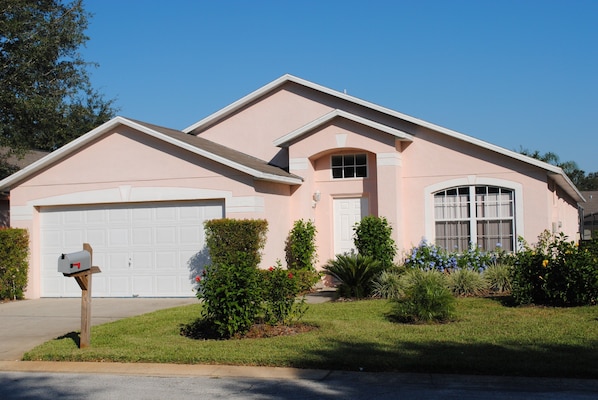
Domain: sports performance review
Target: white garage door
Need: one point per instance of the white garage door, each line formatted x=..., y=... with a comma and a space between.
x=147, y=250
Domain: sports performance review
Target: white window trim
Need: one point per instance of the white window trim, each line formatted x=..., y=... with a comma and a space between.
x=354, y=154
x=472, y=180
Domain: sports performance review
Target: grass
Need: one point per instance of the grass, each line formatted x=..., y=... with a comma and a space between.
x=487, y=338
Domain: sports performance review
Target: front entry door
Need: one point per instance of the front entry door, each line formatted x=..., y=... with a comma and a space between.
x=347, y=212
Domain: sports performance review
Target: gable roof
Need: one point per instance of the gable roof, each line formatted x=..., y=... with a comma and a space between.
x=555, y=173
x=252, y=166
x=326, y=118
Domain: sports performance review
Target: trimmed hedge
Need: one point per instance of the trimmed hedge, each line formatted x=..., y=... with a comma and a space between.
x=14, y=266
x=232, y=241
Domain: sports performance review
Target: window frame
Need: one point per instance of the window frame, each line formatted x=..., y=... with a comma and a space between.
x=475, y=207
x=343, y=166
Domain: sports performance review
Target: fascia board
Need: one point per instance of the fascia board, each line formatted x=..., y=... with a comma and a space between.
x=284, y=140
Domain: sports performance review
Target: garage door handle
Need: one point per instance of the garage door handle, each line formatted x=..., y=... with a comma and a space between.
x=129, y=263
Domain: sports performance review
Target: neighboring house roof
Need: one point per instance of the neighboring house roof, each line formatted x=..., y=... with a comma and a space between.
x=591, y=205
x=20, y=162
x=252, y=166
x=555, y=173
x=26, y=159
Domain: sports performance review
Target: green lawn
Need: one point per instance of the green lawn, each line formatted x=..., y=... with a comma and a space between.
x=487, y=338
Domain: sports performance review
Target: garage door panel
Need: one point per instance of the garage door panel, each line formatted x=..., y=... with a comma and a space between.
x=142, y=236
x=142, y=249
x=119, y=286
x=118, y=237
x=96, y=236
x=191, y=235
x=143, y=285
x=166, y=285
x=142, y=260
x=166, y=235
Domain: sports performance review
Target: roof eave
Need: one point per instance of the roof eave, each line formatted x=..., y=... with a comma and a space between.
x=564, y=182
x=285, y=140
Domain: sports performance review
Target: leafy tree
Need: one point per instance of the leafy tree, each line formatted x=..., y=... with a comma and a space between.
x=46, y=98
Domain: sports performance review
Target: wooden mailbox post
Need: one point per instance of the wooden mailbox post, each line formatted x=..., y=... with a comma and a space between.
x=83, y=278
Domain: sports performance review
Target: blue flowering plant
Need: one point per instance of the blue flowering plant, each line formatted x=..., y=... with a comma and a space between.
x=428, y=256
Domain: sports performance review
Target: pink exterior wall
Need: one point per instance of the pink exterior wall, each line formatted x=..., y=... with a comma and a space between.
x=255, y=127
x=126, y=162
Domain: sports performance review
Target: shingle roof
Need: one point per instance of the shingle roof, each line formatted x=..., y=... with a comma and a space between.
x=258, y=169
x=220, y=150
x=591, y=204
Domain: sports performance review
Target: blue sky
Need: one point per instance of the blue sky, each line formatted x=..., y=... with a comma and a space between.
x=518, y=74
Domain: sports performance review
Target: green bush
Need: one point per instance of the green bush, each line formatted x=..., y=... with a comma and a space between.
x=230, y=240
x=232, y=297
x=355, y=272
x=555, y=272
x=280, y=290
x=389, y=284
x=373, y=238
x=300, y=254
x=498, y=278
x=466, y=282
x=426, y=298
x=231, y=287
x=14, y=267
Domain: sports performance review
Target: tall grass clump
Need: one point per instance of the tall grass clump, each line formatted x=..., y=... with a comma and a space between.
x=498, y=278
x=426, y=298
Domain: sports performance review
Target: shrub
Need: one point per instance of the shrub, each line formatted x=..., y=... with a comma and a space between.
x=555, y=272
x=428, y=256
x=300, y=254
x=231, y=287
x=373, y=238
x=280, y=290
x=232, y=297
x=389, y=284
x=229, y=240
x=474, y=258
x=498, y=278
x=466, y=282
x=426, y=298
x=14, y=267
x=355, y=272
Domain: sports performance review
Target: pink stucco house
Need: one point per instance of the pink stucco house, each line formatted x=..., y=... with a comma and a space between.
x=138, y=193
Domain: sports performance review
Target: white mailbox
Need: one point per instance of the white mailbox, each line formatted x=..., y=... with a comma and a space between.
x=74, y=262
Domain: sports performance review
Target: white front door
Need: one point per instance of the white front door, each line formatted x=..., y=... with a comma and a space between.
x=143, y=249
x=347, y=212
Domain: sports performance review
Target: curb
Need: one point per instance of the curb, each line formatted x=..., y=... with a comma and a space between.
x=162, y=370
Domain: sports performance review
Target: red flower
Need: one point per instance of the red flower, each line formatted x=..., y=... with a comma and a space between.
x=271, y=269
x=290, y=275
x=198, y=279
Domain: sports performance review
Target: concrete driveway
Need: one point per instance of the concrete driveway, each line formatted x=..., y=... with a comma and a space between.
x=27, y=323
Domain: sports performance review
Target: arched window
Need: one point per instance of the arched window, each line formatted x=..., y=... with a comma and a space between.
x=484, y=215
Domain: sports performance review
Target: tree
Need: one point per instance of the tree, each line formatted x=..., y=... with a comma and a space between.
x=46, y=98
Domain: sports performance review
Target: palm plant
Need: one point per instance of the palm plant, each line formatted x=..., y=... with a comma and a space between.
x=355, y=272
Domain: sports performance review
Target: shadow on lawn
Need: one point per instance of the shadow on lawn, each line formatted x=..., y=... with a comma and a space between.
x=514, y=359
x=74, y=336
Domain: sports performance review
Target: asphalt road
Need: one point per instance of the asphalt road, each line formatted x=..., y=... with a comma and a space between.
x=334, y=385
